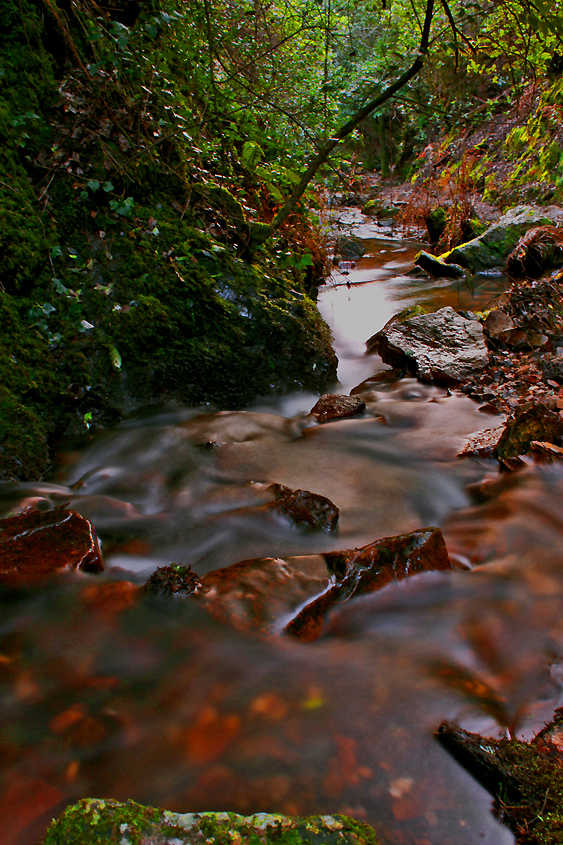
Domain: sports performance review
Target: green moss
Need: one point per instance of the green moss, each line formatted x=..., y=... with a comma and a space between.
x=108, y=822
x=112, y=293
x=537, y=817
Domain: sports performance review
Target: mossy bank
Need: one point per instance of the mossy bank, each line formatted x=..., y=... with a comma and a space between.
x=127, y=275
x=107, y=822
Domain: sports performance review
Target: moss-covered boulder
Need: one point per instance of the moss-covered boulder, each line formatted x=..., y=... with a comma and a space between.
x=492, y=248
x=108, y=822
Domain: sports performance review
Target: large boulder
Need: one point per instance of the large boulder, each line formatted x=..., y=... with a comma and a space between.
x=95, y=821
x=442, y=346
x=492, y=248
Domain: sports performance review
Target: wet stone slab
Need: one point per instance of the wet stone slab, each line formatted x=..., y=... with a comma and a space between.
x=360, y=571
x=36, y=544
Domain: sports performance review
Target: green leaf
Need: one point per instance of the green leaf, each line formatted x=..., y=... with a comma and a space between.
x=108, y=187
x=251, y=154
x=56, y=252
x=93, y=184
x=59, y=287
x=47, y=308
x=305, y=261
x=115, y=357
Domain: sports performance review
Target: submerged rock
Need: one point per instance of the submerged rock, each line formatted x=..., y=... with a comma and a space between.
x=492, y=248
x=259, y=594
x=364, y=570
x=94, y=821
x=35, y=544
x=333, y=406
x=441, y=346
x=305, y=510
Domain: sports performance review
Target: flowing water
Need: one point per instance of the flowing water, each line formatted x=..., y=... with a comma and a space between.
x=160, y=703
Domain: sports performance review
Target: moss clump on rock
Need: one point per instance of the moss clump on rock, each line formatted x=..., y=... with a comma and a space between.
x=525, y=778
x=108, y=822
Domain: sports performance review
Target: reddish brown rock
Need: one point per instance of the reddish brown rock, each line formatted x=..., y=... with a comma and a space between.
x=260, y=594
x=482, y=444
x=359, y=571
x=305, y=510
x=36, y=544
x=498, y=325
x=333, y=406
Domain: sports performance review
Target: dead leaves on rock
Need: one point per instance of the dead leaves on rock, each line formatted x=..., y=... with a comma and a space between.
x=539, y=252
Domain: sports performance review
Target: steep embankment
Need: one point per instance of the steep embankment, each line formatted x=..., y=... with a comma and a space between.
x=126, y=275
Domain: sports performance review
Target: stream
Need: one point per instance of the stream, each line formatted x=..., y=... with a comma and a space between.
x=161, y=703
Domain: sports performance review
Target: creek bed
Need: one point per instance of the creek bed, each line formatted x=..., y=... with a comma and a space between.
x=162, y=704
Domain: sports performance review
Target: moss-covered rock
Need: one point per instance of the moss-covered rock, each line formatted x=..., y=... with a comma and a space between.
x=107, y=822
x=492, y=248
x=526, y=779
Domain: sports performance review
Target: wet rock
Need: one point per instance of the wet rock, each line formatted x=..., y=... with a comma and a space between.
x=492, y=248
x=349, y=247
x=360, y=571
x=381, y=379
x=537, y=253
x=498, y=325
x=437, y=266
x=553, y=369
x=500, y=328
x=261, y=594
x=333, y=406
x=525, y=779
x=305, y=510
x=482, y=444
x=442, y=346
x=547, y=451
x=536, y=423
x=36, y=544
x=95, y=820
x=174, y=580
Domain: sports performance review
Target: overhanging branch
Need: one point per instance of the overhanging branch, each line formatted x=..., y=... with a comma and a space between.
x=326, y=149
